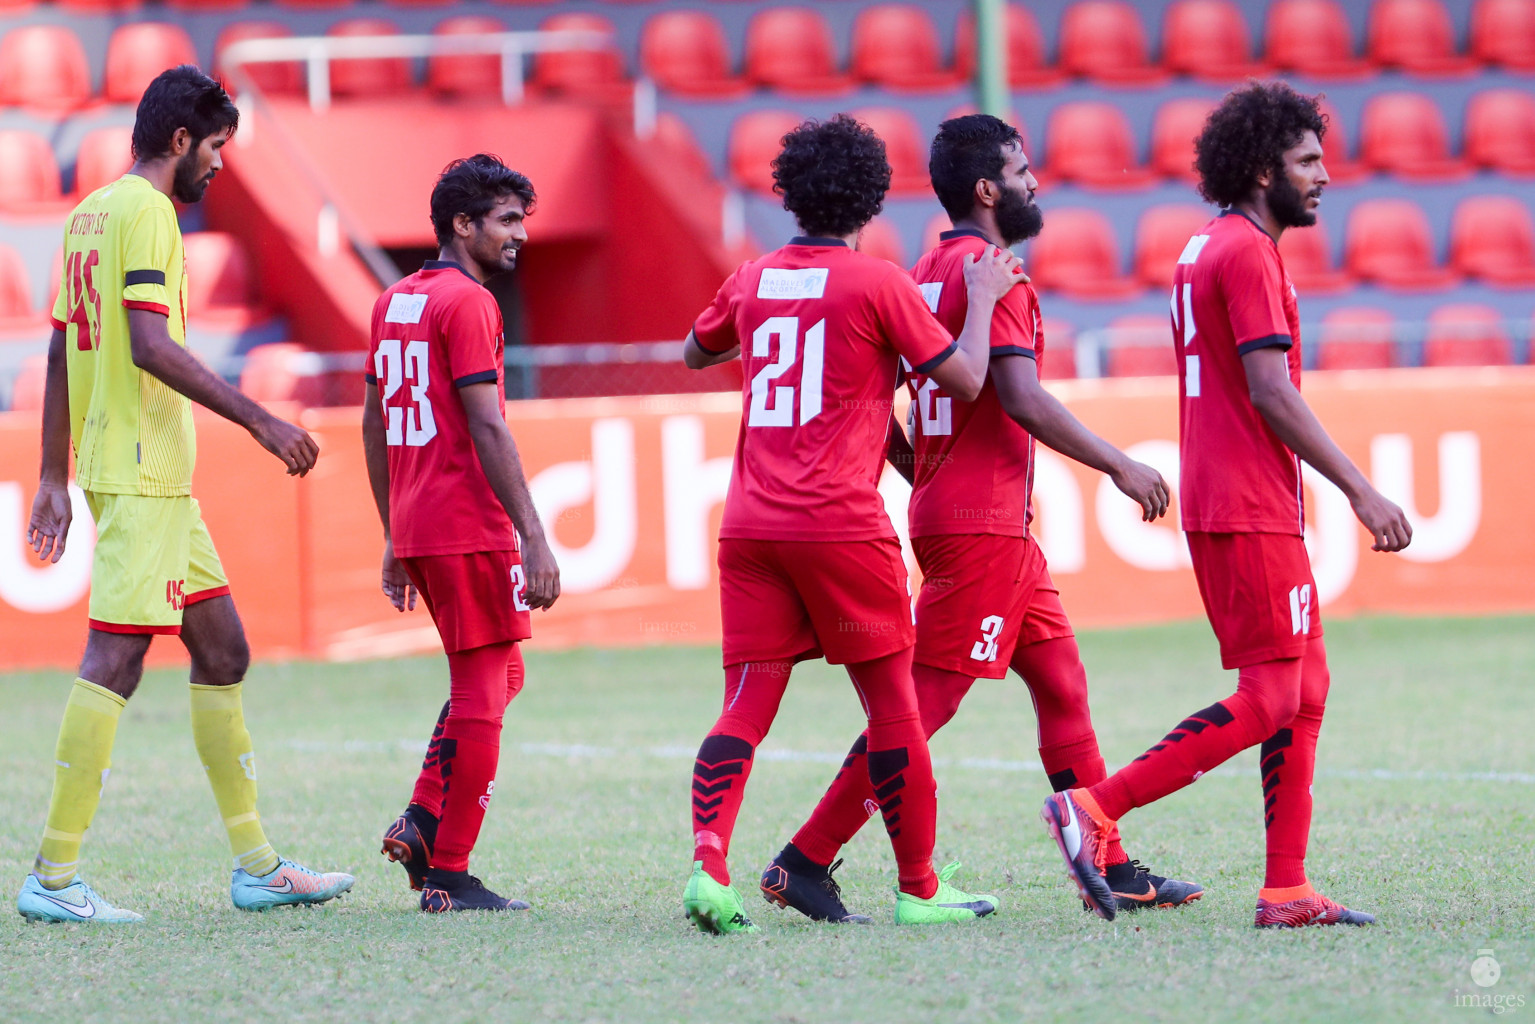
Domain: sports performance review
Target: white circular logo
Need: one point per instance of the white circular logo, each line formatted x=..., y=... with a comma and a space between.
x=1485, y=969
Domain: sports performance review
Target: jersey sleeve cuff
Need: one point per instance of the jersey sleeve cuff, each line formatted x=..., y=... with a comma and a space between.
x=370, y=377
x=134, y=277
x=928, y=366
x=711, y=351
x=1014, y=350
x=483, y=377
x=153, y=307
x=1272, y=341
x=58, y=324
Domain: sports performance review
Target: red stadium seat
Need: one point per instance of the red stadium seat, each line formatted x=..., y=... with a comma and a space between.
x=466, y=74
x=896, y=46
x=29, y=175
x=685, y=52
x=1403, y=133
x=1060, y=359
x=1105, y=40
x=1027, y=64
x=1078, y=255
x=206, y=5
x=1342, y=168
x=1389, y=242
x=1090, y=142
x=580, y=72
x=1207, y=38
x=1503, y=33
x=790, y=50
x=27, y=390
x=12, y=8
x=368, y=77
x=881, y=239
x=105, y=155
x=1357, y=338
x=1312, y=37
x=1160, y=237
x=1142, y=346
x=1467, y=334
x=1308, y=260
x=276, y=373
x=16, y=310
x=1414, y=35
x=1173, y=131
x=138, y=52
x=43, y=67
x=284, y=79
x=1493, y=238
x=1500, y=131
x=675, y=138
x=904, y=148
x=756, y=138
x=219, y=279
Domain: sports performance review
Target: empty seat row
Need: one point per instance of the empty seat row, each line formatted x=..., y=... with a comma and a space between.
x=1093, y=143
x=221, y=283
x=1387, y=242
x=1349, y=338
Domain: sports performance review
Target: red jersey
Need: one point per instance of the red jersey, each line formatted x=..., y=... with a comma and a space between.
x=821, y=329
x=434, y=332
x=1232, y=296
x=975, y=464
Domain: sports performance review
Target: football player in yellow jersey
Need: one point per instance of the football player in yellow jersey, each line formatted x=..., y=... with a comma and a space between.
x=120, y=386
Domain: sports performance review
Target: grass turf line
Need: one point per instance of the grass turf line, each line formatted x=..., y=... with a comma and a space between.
x=600, y=845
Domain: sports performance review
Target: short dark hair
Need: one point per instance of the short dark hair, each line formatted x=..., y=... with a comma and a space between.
x=832, y=175
x=182, y=97
x=1248, y=134
x=472, y=186
x=966, y=150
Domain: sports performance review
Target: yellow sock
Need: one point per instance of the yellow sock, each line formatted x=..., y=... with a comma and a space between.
x=80, y=764
x=218, y=729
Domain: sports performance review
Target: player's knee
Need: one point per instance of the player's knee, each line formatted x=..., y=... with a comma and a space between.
x=224, y=665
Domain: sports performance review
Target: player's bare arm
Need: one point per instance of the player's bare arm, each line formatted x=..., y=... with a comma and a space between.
x=156, y=353
x=899, y=452
x=987, y=279
x=696, y=357
x=1291, y=419
x=1040, y=413
x=503, y=468
x=51, y=511
x=396, y=582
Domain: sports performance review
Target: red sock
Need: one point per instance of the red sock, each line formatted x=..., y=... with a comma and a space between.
x=900, y=768
x=1288, y=761
x=1068, y=746
x=428, y=791
x=1266, y=693
x=724, y=763
x=849, y=801
x=470, y=749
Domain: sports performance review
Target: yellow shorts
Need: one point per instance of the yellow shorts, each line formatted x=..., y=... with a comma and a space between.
x=153, y=558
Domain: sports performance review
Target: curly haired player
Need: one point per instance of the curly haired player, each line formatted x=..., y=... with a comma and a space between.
x=1244, y=433
x=809, y=562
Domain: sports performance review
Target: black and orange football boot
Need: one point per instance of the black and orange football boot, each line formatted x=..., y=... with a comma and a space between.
x=409, y=842
x=794, y=880
x=445, y=891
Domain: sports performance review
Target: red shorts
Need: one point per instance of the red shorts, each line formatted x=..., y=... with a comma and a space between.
x=475, y=599
x=1259, y=594
x=982, y=596
x=787, y=600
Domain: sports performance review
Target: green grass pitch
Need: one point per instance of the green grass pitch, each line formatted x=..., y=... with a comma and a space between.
x=1425, y=790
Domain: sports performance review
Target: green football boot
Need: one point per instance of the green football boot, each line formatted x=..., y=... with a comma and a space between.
x=712, y=907
x=947, y=904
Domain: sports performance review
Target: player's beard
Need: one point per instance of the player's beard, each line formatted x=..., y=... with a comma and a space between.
x=186, y=185
x=1018, y=218
x=1287, y=205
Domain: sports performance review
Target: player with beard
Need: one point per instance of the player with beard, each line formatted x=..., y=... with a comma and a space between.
x=1244, y=433
x=120, y=385
x=987, y=600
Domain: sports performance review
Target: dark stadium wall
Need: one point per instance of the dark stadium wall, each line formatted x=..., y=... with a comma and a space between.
x=625, y=245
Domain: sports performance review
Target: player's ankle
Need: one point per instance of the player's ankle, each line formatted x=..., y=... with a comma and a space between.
x=793, y=859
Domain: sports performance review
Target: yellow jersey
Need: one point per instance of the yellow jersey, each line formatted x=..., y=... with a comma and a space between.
x=122, y=250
